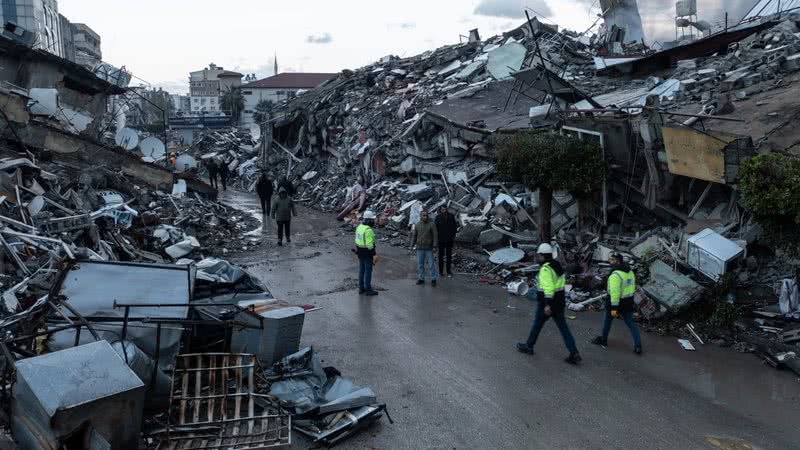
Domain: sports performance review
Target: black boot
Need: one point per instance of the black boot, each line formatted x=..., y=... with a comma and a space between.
x=573, y=359
x=637, y=350
x=523, y=347
x=600, y=340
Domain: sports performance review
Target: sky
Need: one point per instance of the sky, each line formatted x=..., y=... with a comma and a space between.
x=161, y=41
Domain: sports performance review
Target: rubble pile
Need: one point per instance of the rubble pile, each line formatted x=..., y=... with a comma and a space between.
x=764, y=56
x=234, y=147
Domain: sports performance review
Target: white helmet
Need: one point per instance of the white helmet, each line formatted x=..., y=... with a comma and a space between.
x=369, y=215
x=545, y=249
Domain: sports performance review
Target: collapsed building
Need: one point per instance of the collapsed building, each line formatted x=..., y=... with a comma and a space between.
x=673, y=125
x=113, y=296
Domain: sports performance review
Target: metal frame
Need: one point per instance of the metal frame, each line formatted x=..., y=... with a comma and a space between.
x=582, y=131
x=213, y=406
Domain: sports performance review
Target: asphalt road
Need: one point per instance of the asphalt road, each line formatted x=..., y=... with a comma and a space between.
x=444, y=362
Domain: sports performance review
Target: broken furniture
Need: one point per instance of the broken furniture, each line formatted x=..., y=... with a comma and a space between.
x=712, y=254
x=82, y=397
x=670, y=289
x=214, y=406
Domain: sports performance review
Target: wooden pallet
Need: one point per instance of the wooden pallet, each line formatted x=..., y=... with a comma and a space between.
x=213, y=405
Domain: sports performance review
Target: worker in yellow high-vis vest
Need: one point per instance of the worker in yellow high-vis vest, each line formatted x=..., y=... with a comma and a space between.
x=551, y=303
x=621, y=289
x=365, y=249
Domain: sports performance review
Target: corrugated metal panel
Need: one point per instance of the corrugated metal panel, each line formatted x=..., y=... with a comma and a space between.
x=769, y=7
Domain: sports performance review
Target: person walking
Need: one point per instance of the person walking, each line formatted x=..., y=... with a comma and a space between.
x=446, y=227
x=213, y=170
x=551, y=303
x=224, y=173
x=621, y=288
x=265, y=189
x=282, y=212
x=365, y=249
x=425, y=239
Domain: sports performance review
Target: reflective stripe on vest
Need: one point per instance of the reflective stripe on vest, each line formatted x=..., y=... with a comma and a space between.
x=549, y=282
x=365, y=237
x=626, y=288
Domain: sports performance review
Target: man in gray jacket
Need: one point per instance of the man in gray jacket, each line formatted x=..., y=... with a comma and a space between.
x=282, y=212
x=425, y=238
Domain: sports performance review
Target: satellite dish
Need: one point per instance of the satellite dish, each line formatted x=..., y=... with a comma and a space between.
x=184, y=163
x=127, y=138
x=255, y=132
x=153, y=147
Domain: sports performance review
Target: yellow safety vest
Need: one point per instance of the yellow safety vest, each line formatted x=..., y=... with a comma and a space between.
x=549, y=282
x=621, y=285
x=365, y=237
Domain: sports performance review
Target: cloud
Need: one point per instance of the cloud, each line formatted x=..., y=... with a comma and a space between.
x=512, y=9
x=324, y=38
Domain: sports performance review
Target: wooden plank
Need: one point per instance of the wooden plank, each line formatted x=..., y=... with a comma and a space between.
x=198, y=389
x=250, y=406
x=224, y=403
x=184, y=388
x=238, y=400
x=212, y=387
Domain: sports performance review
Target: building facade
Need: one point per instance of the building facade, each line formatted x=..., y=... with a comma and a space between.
x=278, y=88
x=207, y=86
x=39, y=17
x=87, y=45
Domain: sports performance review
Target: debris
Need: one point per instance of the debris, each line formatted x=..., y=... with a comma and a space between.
x=686, y=345
x=86, y=390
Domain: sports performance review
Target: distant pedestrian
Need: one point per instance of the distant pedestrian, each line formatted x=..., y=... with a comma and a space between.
x=282, y=212
x=551, y=303
x=265, y=189
x=286, y=184
x=621, y=289
x=365, y=249
x=426, y=239
x=213, y=171
x=224, y=173
x=447, y=227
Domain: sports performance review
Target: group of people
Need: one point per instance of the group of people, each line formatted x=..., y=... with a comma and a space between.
x=218, y=172
x=550, y=293
x=282, y=209
x=426, y=238
x=551, y=303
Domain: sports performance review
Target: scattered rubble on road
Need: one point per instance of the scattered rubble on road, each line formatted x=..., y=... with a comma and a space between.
x=111, y=240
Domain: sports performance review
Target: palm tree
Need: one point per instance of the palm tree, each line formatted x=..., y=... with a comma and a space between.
x=263, y=108
x=233, y=103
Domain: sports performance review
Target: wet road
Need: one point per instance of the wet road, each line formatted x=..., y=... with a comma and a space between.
x=443, y=360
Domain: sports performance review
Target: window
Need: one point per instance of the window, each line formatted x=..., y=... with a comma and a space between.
x=196, y=100
x=247, y=92
x=203, y=101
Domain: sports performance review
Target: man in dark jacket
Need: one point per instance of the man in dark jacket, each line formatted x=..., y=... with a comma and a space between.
x=265, y=188
x=447, y=227
x=286, y=184
x=282, y=212
x=213, y=169
x=224, y=173
x=551, y=303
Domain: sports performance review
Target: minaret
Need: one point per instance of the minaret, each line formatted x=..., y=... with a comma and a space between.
x=276, y=63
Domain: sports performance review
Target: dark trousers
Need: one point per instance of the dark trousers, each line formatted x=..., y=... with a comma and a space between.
x=224, y=179
x=561, y=322
x=628, y=319
x=365, y=263
x=266, y=204
x=284, y=226
x=445, y=252
x=212, y=178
